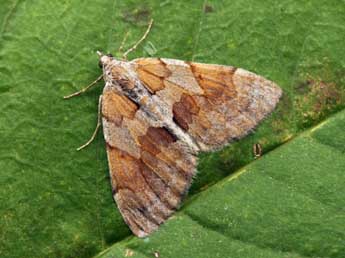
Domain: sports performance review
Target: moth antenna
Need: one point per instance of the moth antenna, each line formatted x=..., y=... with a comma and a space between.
x=86, y=88
x=123, y=42
x=124, y=56
x=97, y=126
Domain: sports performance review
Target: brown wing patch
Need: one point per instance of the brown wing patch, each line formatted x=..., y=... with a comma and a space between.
x=154, y=66
x=152, y=72
x=183, y=111
x=216, y=81
x=116, y=106
x=154, y=138
x=151, y=81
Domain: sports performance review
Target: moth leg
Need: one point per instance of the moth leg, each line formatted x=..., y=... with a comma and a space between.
x=123, y=42
x=84, y=89
x=124, y=56
x=97, y=126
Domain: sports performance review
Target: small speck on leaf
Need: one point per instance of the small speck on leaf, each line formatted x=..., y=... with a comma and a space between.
x=208, y=8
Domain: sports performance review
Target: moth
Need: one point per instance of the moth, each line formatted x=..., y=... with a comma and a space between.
x=158, y=114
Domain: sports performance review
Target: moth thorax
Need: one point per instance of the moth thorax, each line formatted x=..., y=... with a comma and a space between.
x=121, y=78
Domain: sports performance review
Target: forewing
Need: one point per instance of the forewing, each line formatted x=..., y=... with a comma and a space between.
x=215, y=104
x=150, y=169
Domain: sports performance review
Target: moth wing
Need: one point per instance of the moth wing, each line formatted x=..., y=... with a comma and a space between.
x=215, y=104
x=150, y=170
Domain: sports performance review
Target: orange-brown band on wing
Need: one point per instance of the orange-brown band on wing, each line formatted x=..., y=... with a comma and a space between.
x=216, y=81
x=154, y=66
x=152, y=72
x=116, y=106
x=184, y=109
x=155, y=137
x=151, y=81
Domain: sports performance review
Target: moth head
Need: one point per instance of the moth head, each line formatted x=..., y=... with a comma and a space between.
x=104, y=59
x=115, y=72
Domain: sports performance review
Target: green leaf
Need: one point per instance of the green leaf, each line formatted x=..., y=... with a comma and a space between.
x=56, y=202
